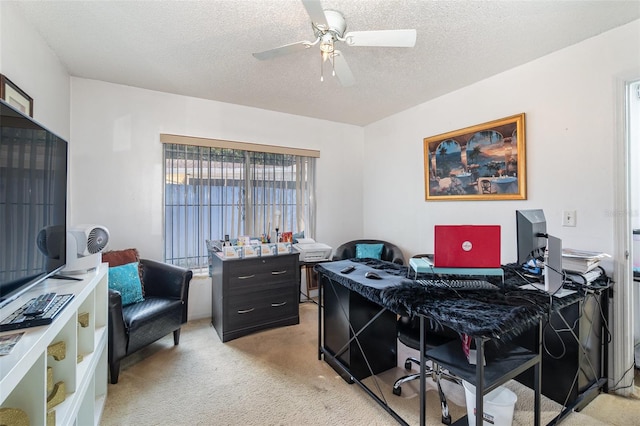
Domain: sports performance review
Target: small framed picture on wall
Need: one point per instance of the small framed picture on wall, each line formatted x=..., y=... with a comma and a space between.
x=15, y=96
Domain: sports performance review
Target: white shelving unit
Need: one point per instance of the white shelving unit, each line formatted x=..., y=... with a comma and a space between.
x=82, y=326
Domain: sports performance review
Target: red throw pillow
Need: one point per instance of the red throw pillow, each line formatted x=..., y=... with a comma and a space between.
x=120, y=257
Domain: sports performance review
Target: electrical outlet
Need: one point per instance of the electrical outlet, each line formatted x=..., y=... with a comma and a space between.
x=569, y=218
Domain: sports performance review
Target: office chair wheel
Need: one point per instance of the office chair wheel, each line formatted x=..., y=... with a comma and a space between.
x=397, y=391
x=407, y=365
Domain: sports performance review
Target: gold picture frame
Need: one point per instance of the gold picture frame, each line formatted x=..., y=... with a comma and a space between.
x=15, y=96
x=481, y=162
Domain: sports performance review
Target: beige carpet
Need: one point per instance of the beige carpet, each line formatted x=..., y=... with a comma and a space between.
x=274, y=378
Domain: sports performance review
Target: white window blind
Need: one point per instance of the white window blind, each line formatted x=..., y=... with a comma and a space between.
x=213, y=191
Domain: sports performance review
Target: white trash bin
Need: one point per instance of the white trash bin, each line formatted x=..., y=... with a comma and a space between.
x=498, y=405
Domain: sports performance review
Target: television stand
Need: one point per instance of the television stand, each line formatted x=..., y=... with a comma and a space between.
x=57, y=373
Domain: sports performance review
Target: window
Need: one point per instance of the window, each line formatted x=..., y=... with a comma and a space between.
x=220, y=188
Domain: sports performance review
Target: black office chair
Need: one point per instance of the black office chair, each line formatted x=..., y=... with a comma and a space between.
x=409, y=335
x=390, y=252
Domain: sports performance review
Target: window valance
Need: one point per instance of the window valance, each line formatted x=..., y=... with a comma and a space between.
x=245, y=146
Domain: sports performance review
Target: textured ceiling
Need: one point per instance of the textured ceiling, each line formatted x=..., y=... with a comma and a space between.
x=203, y=49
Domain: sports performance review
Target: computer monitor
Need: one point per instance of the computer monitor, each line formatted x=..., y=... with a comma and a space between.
x=531, y=229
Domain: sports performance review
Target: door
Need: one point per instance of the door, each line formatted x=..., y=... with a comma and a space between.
x=624, y=315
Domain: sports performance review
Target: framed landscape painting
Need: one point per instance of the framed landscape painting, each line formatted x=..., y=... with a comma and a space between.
x=481, y=162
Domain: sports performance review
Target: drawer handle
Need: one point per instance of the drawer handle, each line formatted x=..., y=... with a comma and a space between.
x=278, y=272
x=277, y=305
x=245, y=311
x=246, y=277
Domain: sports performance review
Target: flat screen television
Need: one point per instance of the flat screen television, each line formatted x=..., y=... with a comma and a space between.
x=33, y=203
x=531, y=229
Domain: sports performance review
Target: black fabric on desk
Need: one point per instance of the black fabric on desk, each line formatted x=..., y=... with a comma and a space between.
x=392, y=274
x=499, y=314
x=478, y=313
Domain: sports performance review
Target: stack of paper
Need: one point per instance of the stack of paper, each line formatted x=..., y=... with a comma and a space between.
x=581, y=261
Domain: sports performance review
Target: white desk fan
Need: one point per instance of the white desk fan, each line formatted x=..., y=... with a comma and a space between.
x=85, y=244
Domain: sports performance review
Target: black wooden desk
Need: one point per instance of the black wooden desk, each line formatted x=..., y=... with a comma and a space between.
x=369, y=309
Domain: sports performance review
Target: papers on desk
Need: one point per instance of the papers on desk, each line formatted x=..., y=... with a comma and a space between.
x=581, y=260
x=559, y=293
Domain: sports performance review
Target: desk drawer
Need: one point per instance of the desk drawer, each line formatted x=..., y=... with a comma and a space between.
x=262, y=306
x=261, y=271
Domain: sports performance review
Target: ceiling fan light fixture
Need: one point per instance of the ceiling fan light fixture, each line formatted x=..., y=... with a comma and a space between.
x=326, y=43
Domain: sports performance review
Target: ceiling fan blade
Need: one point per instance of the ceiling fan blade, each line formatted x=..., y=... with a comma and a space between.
x=343, y=72
x=315, y=11
x=283, y=50
x=382, y=38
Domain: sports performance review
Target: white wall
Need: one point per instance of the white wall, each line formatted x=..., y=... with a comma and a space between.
x=116, y=163
x=27, y=60
x=568, y=98
x=116, y=158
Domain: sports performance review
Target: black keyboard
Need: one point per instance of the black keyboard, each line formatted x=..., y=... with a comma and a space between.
x=460, y=284
x=19, y=320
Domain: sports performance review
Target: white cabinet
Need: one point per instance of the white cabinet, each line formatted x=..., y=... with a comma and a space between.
x=68, y=354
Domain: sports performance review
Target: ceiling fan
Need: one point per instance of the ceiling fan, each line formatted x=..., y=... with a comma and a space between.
x=329, y=28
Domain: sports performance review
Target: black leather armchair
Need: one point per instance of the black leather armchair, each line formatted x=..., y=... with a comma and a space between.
x=163, y=310
x=390, y=252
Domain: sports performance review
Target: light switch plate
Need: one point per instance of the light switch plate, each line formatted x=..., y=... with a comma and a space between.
x=569, y=218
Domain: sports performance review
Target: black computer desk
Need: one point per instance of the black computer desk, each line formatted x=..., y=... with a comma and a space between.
x=359, y=317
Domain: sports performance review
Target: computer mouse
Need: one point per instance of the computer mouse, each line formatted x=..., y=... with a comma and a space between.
x=372, y=275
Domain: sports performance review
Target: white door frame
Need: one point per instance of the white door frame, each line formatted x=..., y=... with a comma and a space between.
x=621, y=314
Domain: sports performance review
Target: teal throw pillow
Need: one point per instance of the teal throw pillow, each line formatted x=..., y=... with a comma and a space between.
x=369, y=251
x=126, y=280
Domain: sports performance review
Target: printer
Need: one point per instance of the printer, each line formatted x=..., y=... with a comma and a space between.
x=310, y=251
